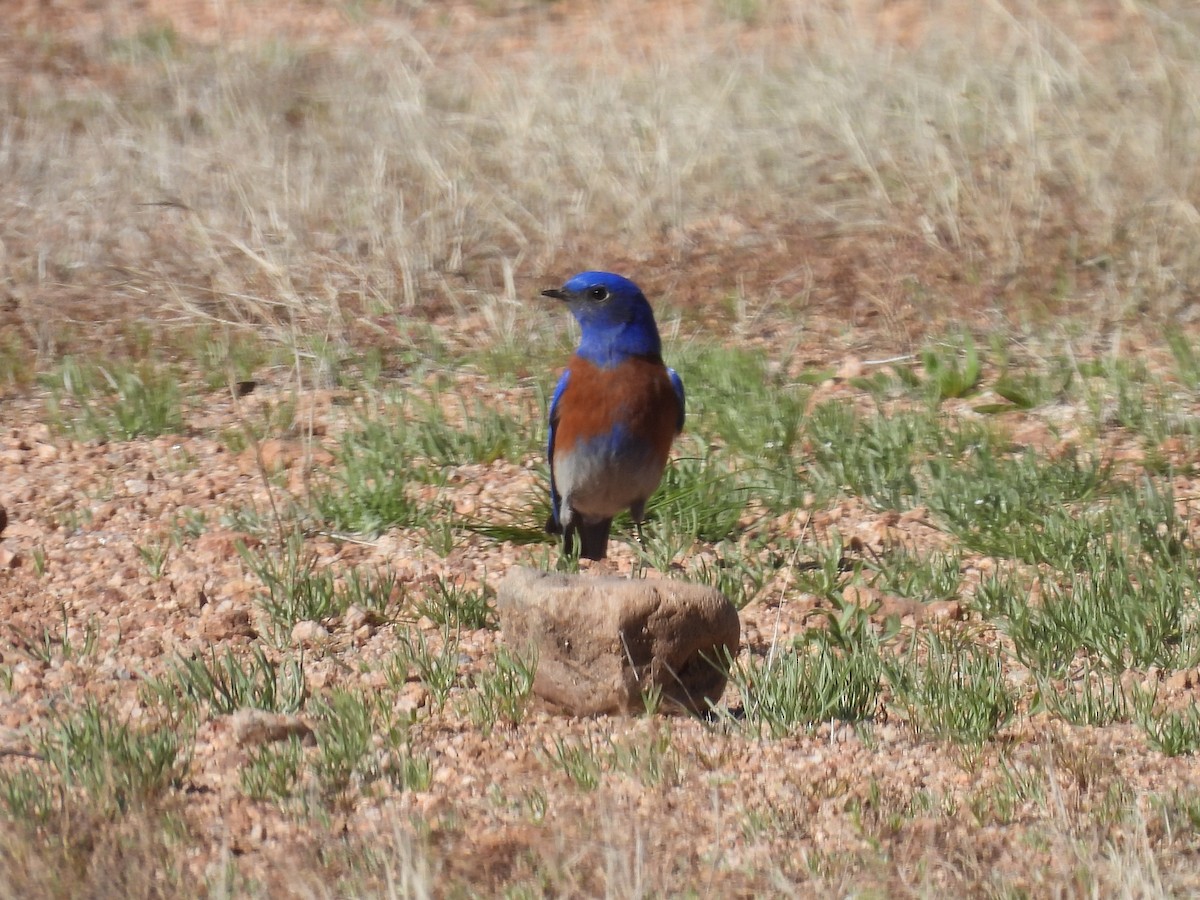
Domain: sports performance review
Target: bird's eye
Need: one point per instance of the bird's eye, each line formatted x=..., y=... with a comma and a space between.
x=599, y=294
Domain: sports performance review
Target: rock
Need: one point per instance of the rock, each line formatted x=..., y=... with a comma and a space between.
x=851, y=367
x=257, y=726
x=604, y=641
x=228, y=620
x=413, y=696
x=3, y=519
x=224, y=544
x=309, y=633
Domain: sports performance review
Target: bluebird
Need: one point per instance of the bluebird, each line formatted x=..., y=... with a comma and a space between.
x=614, y=413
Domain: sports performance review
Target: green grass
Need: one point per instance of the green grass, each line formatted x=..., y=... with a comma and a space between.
x=296, y=588
x=873, y=457
x=367, y=252
x=820, y=680
x=371, y=488
x=455, y=605
x=227, y=683
x=116, y=401
x=502, y=695
x=95, y=763
x=952, y=691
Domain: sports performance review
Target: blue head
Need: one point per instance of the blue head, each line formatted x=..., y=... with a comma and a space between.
x=613, y=315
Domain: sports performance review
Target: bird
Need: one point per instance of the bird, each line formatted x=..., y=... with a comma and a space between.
x=614, y=413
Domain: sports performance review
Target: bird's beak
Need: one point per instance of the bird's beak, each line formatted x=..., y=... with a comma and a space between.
x=556, y=293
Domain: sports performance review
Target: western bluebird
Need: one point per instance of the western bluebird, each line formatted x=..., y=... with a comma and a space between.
x=614, y=413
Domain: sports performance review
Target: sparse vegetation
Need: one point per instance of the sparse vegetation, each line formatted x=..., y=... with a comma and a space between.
x=274, y=373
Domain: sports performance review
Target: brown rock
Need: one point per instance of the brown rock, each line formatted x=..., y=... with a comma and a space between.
x=3, y=519
x=309, y=634
x=257, y=726
x=228, y=620
x=224, y=544
x=602, y=642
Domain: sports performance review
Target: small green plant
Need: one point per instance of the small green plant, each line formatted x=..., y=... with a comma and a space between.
x=357, y=744
x=998, y=804
x=848, y=626
x=579, y=761
x=437, y=670
x=754, y=411
x=652, y=758
x=119, y=402
x=273, y=771
x=1175, y=733
x=453, y=604
x=814, y=682
x=39, y=561
x=822, y=568
x=1092, y=698
x=738, y=572
x=369, y=490
x=1030, y=389
x=115, y=766
x=900, y=571
x=502, y=695
x=67, y=644
x=1187, y=360
x=701, y=496
x=485, y=436
x=345, y=723
x=951, y=691
x=1018, y=506
x=945, y=376
x=1120, y=610
x=873, y=458
x=227, y=684
x=298, y=589
x=155, y=557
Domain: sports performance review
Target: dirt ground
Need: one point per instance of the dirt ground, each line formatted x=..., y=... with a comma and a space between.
x=830, y=812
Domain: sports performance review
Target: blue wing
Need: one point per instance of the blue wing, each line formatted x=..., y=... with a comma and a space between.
x=677, y=384
x=555, y=499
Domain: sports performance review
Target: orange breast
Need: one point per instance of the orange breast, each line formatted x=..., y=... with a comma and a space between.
x=637, y=393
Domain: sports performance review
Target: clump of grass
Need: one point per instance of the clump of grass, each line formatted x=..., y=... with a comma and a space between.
x=116, y=401
x=227, y=684
x=702, y=496
x=436, y=669
x=871, y=457
x=348, y=722
x=503, y=694
x=97, y=763
x=946, y=376
x=1174, y=733
x=1022, y=506
x=370, y=490
x=953, y=691
x=298, y=589
x=1092, y=698
x=1118, y=612
x=901, y=571
x=739, y=571
x=833, y=673
x=273, y=771
x=453, y=604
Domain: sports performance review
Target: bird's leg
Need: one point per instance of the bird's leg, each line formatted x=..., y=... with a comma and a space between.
x=638, y=511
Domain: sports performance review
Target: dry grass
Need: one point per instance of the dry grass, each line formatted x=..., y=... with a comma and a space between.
x=298, y=186
x=762, y=168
